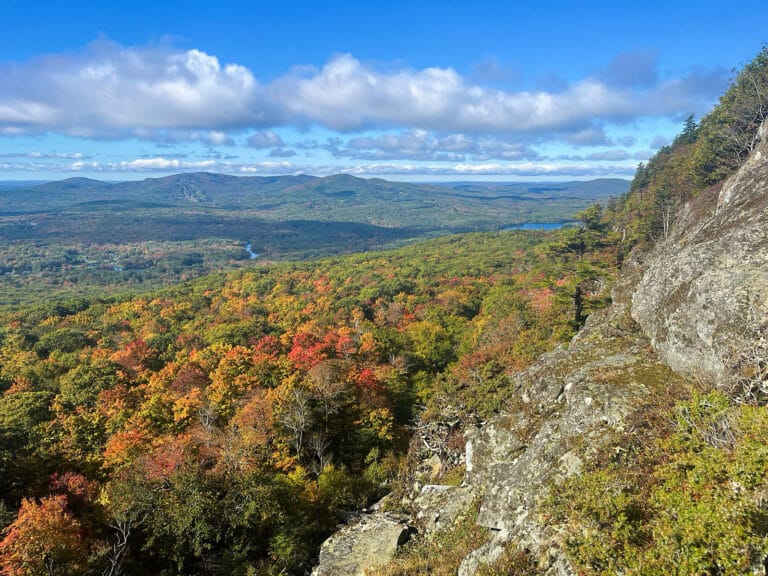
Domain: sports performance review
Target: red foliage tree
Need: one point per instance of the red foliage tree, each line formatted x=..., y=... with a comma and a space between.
x=307, y=351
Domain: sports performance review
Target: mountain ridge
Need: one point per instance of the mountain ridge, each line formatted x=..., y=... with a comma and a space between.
x=220, y=183
x=340, y=197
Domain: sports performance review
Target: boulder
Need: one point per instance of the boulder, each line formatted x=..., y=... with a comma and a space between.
x=368, y=541
x=438, y=507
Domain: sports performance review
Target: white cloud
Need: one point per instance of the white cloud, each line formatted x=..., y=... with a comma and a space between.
x=590, y=136
x=27, y=167
x=175, y=136
x=110, y=91
x=79, y=166
x=162, y=165
x=46, y=155
x=427, y=146
x=219, y=138
x=626, y=140
x=632, y=69
x=615, y=155
x=156, y=164
x=347, y=95
x=274, y=168
x=160, y=92
x=522, y=170
x=281, y=152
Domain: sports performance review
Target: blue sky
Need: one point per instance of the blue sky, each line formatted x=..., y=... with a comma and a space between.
x=403, y=90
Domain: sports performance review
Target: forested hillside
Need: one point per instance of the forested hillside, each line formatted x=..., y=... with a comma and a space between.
x=698, y=161
x=226, y=426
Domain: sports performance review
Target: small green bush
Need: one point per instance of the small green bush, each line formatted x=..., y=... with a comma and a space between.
x=690, y=503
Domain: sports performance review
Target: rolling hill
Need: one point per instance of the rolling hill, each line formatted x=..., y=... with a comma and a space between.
x=340, y=197
x=79, y=233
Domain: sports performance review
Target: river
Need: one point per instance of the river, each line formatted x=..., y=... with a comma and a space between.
x=251, y=253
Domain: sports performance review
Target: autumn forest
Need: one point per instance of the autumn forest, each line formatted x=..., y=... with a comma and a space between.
x=232, y=422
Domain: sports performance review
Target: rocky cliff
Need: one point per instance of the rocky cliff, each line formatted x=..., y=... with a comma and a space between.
x=700, y=298
x=696, y=305
x=703, y=296
x=569, y=403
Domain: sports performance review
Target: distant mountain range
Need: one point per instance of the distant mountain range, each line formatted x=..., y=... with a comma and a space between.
x=78, y=234
x=339, y=198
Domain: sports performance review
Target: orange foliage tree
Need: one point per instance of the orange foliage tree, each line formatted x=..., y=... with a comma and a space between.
x=45, y=538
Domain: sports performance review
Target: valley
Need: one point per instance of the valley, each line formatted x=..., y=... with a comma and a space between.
x=80, y=236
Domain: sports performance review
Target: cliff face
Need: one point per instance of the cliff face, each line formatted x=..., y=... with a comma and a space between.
x=570, y=402
x=703, y=298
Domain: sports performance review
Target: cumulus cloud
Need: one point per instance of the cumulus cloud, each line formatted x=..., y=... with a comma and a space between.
x=674, y=97
x=426, y=146
x=27, y=167
x=525, y=170
x=626, y=140
x=265, y=139
x=112, y=91
x=632, y=69
x=162, y=165
x=615, y=155
x=109, y=91
x=219, y=138
x=281, y=153
x=589, y=136
x=172, y=137
x=347, y=95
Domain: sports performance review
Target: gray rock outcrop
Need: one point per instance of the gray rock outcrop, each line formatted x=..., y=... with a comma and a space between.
x=703, y=297
x=369, y=541
x=437, y=507
x=571, y=401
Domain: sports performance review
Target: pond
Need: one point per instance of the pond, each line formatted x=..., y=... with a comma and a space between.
x=541, y=225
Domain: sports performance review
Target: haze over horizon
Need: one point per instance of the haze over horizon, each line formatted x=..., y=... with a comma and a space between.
x=433, y=91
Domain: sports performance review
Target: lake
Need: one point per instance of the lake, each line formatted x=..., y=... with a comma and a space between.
x=540, y=226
